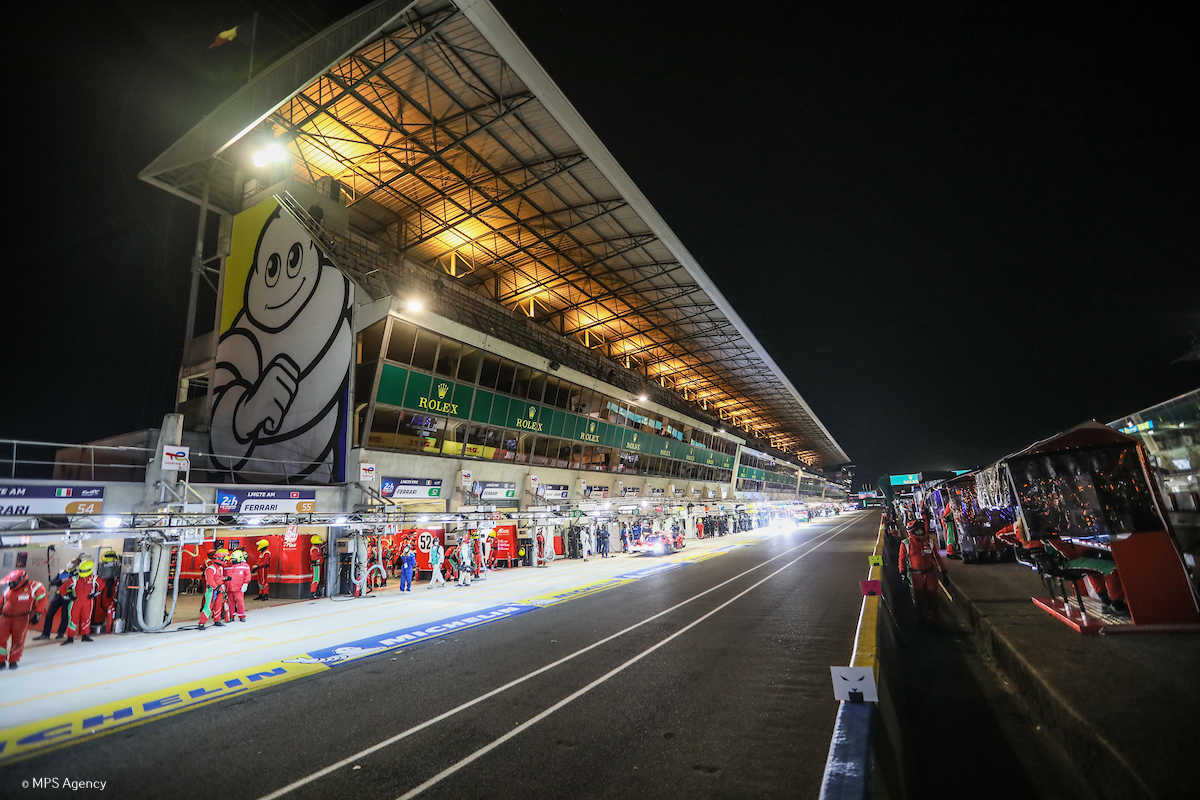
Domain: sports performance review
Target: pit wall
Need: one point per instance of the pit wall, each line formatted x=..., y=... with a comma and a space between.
x=866, y=752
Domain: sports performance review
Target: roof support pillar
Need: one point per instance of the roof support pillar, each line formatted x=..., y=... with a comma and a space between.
x=197, y=266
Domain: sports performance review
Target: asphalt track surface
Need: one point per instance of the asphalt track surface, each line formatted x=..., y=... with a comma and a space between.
x=726, y=693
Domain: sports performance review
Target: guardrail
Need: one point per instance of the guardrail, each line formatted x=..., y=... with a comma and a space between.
x=62, y=461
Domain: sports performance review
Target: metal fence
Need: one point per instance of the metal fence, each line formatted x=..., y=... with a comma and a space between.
x=62, y=461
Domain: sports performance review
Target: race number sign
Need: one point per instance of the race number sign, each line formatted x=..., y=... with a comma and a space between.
x=553, y=491
x=494, y=490
x=425, y=539
x=24, y=499
x=266, y=501
x=411, y=487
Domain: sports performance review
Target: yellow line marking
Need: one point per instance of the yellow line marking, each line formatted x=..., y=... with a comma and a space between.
x=30, y=738
x=40, y=727
x=554, y=598
x=866, y=645
x=306, y=619
x=188, y=663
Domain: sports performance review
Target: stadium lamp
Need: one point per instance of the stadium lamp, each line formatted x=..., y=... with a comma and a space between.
x=641, y=398
x=271, y=154
x=414, y=305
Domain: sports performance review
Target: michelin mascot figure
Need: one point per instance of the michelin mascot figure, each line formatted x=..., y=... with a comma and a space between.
x=282, y=368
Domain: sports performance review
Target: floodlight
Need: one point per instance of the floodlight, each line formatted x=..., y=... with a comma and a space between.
x=271, y=154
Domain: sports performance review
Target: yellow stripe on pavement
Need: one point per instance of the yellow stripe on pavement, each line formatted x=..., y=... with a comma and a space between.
x=49, y=734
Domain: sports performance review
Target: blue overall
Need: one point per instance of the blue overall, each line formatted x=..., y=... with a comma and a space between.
x=408, y=563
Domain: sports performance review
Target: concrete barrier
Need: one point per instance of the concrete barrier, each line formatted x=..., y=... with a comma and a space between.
x=1106, y=769
x=866, y=743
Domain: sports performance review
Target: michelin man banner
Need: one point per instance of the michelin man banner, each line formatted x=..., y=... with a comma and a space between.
x=281, y=384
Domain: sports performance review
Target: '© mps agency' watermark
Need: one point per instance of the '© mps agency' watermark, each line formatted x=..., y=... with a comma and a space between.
x=63, y=783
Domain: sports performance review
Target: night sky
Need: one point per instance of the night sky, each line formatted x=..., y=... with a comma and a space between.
x=955, y=234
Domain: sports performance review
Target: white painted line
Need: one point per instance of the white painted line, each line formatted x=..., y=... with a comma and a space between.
x=499, y=689
x=612, y=672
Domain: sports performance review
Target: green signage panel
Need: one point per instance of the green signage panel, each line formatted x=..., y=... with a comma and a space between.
x=418, y=390
x=499, y=410
x=526, y=416
x=391, y=385
x=588, y=430
x=613, y=434
x=483, y=406
x=665, y=448
x=905, y=480
x=431, y=394
x=633, y=440
x=752, y=473
x=463, y=395
x=437, y=396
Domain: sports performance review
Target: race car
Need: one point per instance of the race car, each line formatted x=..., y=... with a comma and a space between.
x=658, y=543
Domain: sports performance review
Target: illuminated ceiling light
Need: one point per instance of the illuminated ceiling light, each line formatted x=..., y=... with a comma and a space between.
x=642, y=398
x=271, y=154
x=415, y=305
x=111, y=522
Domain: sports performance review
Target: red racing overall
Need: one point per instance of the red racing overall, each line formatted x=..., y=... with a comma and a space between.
x=316, y=558
x=921, y=561
x=20, y=604
x=235, y=600
x=84, y=592
x=214, y=594
x=261, y=573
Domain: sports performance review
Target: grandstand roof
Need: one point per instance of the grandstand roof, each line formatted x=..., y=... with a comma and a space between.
x=453, y=145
